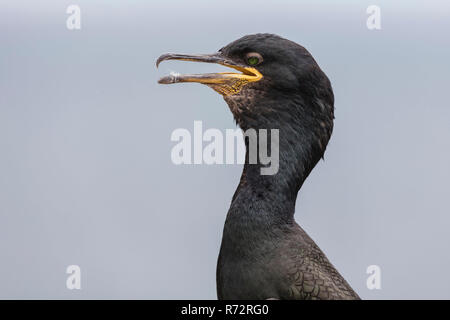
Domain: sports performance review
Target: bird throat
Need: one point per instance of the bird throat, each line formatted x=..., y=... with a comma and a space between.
x=229, y=88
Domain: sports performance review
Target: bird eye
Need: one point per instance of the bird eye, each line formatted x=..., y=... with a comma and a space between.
x=254, y=58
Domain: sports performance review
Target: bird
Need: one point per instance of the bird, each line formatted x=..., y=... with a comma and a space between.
x=265, y=254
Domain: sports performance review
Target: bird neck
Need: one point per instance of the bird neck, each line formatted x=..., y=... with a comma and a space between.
x=270, y=199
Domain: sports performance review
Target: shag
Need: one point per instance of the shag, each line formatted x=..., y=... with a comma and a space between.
x=264, y=253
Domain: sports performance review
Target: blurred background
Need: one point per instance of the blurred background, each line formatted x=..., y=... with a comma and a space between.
x=86, y=176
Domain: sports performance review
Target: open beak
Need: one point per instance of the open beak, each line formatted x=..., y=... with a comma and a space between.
x=226, y=83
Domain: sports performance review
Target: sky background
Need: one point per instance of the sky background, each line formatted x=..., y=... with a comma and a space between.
x=86, y=176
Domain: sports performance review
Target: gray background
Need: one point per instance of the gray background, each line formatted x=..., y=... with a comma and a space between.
x=85, y=170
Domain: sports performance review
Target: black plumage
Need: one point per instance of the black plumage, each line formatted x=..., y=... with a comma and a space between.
x=264, y=253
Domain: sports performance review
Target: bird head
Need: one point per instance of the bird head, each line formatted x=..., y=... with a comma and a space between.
x=273, y=78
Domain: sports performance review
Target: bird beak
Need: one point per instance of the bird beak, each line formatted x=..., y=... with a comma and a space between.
x=226, y=83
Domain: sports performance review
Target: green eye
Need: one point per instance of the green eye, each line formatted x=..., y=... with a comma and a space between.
x=254, y=58
x=253, y=61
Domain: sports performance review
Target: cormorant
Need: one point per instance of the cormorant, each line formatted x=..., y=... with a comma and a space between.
x=264, y=253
